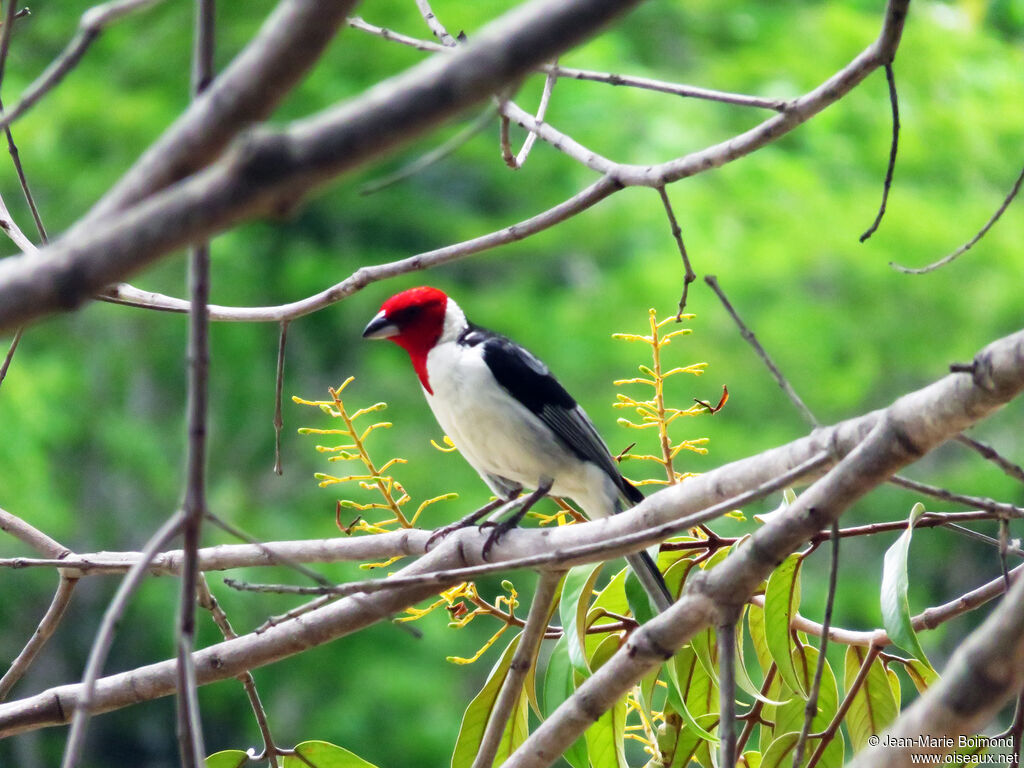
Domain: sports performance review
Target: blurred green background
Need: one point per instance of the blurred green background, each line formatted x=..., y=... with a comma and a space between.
x=91, y=415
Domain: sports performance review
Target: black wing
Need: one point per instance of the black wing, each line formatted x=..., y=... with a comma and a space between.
x=529, y=381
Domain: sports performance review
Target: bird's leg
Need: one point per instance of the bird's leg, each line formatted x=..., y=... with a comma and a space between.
x=468, y=520
x=500, y=529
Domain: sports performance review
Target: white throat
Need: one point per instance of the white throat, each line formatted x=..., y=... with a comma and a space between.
x=454, y=322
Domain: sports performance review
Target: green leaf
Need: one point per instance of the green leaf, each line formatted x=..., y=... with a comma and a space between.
x=687, y=678
x=558, y=686
x=920, y=674
x=790, y=716
x=895, y=605
x=606, y=738
x=639, y=602
x=755, y=622
x=474, y=721
x=742, y=675
x=778, y=752
x=781, y=602
x=229, y=758
x=572, y=609
x=691, y=738
x=873, y=706
x=324, y=755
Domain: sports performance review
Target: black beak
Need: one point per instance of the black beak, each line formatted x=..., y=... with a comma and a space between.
x=380, y=327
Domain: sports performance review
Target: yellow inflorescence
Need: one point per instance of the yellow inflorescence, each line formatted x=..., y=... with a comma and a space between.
x=653, y=413
x=393, y=494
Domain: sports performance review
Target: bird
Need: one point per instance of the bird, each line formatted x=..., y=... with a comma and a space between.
x=509, y=417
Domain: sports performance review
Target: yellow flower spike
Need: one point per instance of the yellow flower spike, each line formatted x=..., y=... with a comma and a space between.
x=423, y=505
x=631, y=337
x=370, y=409
x=448, y=446
x=483, y=649
x=385, y=564
x=419, y=613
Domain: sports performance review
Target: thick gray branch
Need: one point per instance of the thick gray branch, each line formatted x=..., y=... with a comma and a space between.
x=269, y=171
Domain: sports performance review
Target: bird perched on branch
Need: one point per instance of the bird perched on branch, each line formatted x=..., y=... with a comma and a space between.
x=509, y=417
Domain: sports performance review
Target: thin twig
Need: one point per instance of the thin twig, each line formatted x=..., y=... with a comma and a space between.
x=753, y=717
x=105, y=636
x=209, y=603
x=991, y=505
x=357, y=22
x=829, y=733
x=278, y=389
x=90, y=26
x=812, y=700
x=751, y=339
x=987, y=451
x=1004, y=547
x=33, y=537
x=515, y=162
x=51, y=619
x=688, y=275
x=726, y=635
x=190, y=732
x=5, y=35
x=10, y=353
x=970, y=243
x=435, y=24
x=435, y=155
x=523, y=659
x=891, y=168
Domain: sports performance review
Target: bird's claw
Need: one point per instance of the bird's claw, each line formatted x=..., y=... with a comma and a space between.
x=500, y=529
x=442, y=532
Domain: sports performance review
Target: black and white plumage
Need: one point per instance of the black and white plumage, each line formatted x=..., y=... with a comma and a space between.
x=507, y=414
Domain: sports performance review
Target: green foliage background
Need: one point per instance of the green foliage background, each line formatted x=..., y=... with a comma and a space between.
x=91, y=425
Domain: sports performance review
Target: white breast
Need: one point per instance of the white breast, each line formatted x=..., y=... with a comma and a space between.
x=499, y=436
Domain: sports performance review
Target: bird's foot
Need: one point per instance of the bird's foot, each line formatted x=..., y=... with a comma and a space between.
x=465, y=522
x=500, y=529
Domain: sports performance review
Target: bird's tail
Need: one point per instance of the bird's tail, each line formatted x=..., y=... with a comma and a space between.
x=650, y=577
x=642, y=562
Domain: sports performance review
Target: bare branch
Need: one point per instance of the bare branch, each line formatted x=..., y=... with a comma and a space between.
x=364, y=276
x=891, y=168
x=435, y=24
x=83, y=706
x=32, y=536
x=991, y=505
x=209, y=602
x=194, y=506
x=248, y=90
x=49, y=623
x=92, y=23
x=677, y=233
x=278, y=388
x=272, y=169
x=987, y=451
x=751, y=339
x=970, y=243
x=559, y=558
